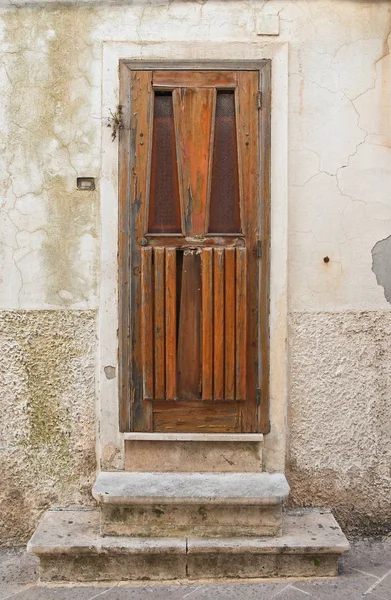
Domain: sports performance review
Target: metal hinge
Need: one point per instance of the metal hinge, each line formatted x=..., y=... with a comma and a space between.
x=258, y=397
x=259, y=99
x=259, y=249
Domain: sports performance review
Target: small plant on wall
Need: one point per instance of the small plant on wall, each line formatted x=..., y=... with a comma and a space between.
x=114, y=121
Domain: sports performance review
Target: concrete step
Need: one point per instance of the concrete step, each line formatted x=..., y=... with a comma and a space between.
x=70, y=548
x=193, y=452
x=190, y=504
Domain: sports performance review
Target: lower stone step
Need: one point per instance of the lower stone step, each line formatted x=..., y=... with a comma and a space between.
x=70, y=549
x=190, y=504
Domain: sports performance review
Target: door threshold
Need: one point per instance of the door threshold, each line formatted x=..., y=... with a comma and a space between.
x=193, y=437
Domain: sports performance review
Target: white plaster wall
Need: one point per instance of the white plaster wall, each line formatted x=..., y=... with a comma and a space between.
x=51, y=127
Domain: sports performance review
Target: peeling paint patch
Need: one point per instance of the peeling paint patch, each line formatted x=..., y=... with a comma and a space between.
x=109, y=372
x=381, y=265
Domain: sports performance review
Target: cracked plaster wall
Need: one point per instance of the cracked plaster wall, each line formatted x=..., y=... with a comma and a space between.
x=339, y=201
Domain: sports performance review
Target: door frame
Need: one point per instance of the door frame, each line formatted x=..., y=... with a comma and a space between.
x=127, y=244
x=244, y=55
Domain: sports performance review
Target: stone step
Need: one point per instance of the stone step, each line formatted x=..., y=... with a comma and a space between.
x=193, y=452
x=190, y=504
x=70, y=549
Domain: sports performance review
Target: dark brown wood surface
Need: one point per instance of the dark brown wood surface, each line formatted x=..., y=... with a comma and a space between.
x=241, y=324
x=207, y=323
x=229, y=323
x=159, y=313
x=193, y=110
x=265, y=146
x=248, y=143
x=218, y=320
x=194, y=79
x=147, y=329
x=126, y=362
x=197, y=311
x=189, y=328
x=140, y=107
x=171, y=327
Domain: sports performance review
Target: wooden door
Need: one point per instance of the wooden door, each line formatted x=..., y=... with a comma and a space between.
x=193, y=251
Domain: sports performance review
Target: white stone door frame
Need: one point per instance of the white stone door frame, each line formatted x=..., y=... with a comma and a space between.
x=110, y=443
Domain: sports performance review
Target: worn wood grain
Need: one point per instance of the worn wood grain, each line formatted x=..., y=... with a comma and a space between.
x=124, y=236
x=207, y=323
x=159, y=324
x=194, y=79
x=265, y=176
x=199, y=417
x=173, y=384
x=189, y=330
x=249, y=155
x=171, y=324
x=241, y=329
x=218, y=320
x=147, y=337
x=229, y=323
x=193, y=108
x=171, y=240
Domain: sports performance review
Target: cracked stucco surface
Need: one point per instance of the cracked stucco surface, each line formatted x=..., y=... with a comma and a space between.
x=339, y=206
x=47, y=425
x=339, y=146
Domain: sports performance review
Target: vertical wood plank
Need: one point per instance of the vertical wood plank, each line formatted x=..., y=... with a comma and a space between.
x=265, y=150
x=139, y=139
x=241, y=309
x=147, y=322
x=171, y=320
x=159, y=324
x=248, y=137
x=229, y=323
x=193, y=110
x=125, y=363
x=189, y=331
x=207, y=323
x=218, y=319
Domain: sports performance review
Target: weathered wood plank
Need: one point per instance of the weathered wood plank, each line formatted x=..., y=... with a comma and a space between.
x=187, y=416
x=141, y=108
x=248, y=138
x=218, y=323
x=171, y=321
x=125, y=346
x=147, y=338
x=159, y=324
x=265, y=147
x=229, y=323
x=181, y=242
x=193, y=108
x=189, y=332
x=169, y=79
x=241, y=323
x=207, y=323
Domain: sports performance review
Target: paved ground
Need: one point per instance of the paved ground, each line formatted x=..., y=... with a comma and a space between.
x=365, y=573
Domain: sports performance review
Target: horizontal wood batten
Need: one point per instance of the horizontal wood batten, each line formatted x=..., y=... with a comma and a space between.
x=193, y=437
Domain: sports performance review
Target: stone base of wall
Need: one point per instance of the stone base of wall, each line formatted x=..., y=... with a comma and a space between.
x=47, y=424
